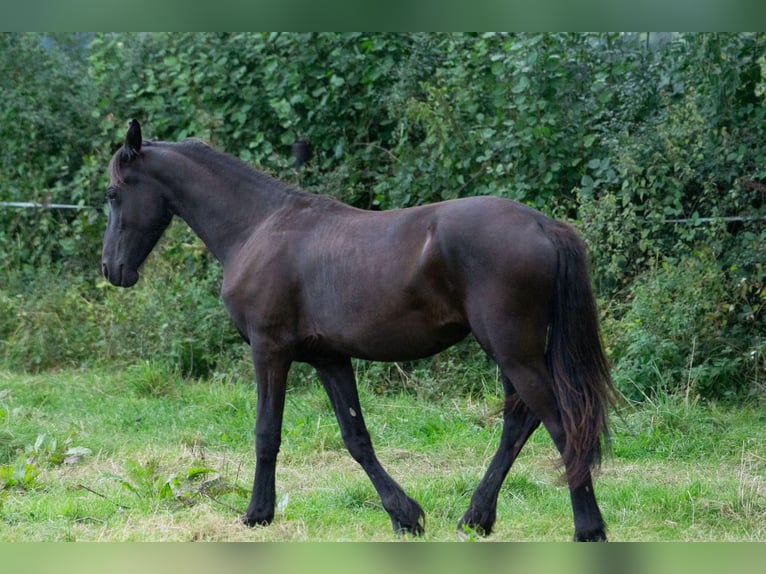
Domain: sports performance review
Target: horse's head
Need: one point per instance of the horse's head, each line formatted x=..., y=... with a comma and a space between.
x=138, y=212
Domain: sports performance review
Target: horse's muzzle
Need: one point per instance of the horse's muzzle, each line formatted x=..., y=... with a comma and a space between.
x=119, y=276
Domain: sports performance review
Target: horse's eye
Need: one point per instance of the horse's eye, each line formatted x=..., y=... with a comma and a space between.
x=111, y=194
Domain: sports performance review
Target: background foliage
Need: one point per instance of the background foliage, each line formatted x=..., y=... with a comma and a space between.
x=646, y=141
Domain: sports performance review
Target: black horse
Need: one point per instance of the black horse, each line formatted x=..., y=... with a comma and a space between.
x=306, y=278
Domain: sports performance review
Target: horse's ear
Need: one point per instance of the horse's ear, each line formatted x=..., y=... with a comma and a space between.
x=132, y=146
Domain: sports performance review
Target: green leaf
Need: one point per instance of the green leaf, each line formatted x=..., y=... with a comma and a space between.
x=196, y=471
x=594, y=164
x=521, y=85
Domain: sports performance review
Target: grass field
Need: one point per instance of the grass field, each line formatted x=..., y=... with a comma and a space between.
x=143, y=455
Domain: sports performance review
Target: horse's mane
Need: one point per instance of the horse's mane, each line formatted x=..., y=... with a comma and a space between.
x=231, y=163
x=236, y=166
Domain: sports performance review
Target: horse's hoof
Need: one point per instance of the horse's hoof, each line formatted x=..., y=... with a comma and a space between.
x=470, y=532
x=253, y=521
x=478, y=523
x=594, y=536
x=407, y=517
x=416, y=530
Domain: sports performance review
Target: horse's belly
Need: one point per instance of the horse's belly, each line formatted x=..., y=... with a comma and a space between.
x=403, y=342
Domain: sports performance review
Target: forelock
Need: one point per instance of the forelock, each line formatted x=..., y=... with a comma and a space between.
x=115, y=170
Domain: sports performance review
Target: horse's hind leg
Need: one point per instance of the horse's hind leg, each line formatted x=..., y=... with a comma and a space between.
x=518, y=425
x=533, y=385
x=517, y=344
x=340, y=384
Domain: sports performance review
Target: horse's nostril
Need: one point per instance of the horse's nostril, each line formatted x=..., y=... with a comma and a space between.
x=104, y=270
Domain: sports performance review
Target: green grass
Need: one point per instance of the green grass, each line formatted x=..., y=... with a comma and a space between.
x=146, y=455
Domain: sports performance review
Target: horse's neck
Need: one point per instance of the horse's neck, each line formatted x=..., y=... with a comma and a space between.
x=222, y=201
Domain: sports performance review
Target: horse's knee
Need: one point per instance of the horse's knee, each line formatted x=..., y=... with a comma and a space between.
x=267, y=446
x=359, y=447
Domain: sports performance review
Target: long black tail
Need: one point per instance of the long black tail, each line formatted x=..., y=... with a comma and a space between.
x=582, y=382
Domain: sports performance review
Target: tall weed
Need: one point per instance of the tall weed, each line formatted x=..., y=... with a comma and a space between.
x=51, y=323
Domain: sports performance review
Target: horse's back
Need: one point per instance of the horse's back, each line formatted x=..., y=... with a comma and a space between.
x=442, y=247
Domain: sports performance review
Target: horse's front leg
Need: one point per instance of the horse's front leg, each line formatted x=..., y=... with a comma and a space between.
x=339, y=382
x=271, y=378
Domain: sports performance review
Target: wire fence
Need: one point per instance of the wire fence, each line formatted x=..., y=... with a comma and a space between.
x=38, y=205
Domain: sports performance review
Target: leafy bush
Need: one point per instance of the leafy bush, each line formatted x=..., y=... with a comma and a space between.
x=678, y=334
x=46, y=128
